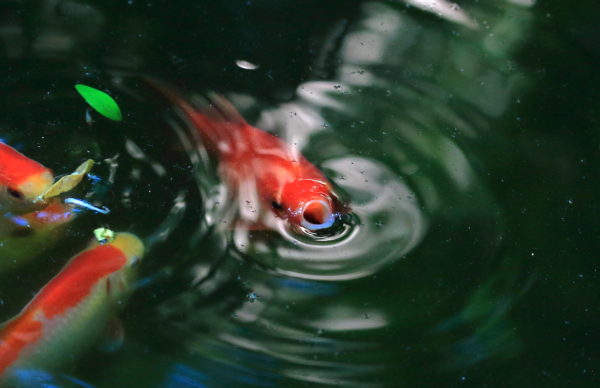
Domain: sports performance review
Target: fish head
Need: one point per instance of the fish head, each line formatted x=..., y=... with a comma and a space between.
x=308, y=203
x=22, y=196
x=132, y=248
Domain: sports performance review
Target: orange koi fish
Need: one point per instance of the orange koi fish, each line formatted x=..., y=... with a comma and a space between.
x=22, y=180
x=71, y=311
x=255, y=161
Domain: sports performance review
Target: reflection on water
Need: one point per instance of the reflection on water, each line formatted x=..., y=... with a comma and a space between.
x=414, y=288
x=446, y=10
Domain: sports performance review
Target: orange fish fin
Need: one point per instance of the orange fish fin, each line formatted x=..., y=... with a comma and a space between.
x=171, y=94
x=219, y=108
x=214, y=116
x=214, y=106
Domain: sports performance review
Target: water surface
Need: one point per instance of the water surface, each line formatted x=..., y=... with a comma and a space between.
x=464, y=139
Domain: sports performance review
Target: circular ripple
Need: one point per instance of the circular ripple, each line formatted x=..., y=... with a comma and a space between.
x=388, y=223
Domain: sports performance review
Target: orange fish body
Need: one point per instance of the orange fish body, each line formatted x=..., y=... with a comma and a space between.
x=287, y=183
x=71, y=311
x=255, y=161
x=22, y=181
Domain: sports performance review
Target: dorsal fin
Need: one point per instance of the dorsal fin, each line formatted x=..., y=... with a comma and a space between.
x=221, y=109
x=213, y=106
x=214, y=117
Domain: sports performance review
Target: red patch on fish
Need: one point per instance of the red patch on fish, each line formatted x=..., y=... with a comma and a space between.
x=15, y=167
x=16, y=336
x=55, y=213
x=75, y=282
x=66, y=290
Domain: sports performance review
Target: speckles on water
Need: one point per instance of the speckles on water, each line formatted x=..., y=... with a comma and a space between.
x=252, y=297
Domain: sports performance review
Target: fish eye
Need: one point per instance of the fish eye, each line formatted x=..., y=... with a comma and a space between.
x=15, y=193
x=276, y=205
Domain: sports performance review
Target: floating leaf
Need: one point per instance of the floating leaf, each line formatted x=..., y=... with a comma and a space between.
x=100, y=101
x=104, y=235
x=68, y=182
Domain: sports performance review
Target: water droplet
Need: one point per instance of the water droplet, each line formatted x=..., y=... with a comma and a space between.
x=252, y=297
x=246, y=65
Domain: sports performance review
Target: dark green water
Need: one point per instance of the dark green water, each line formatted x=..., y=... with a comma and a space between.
x=465, y=138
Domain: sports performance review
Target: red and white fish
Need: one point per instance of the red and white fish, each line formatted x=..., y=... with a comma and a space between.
x=70, y=312
x=22, y=181
x=256, y=163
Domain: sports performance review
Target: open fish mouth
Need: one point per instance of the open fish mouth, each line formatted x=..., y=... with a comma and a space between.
x=317, y=214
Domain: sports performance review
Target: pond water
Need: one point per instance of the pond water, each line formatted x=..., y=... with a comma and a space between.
x=464, y=139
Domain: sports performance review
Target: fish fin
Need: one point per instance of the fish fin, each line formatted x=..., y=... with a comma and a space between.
x=214, y=116
x=219, y=108
x=114, y=336
x=213, y=106
x=170, y=93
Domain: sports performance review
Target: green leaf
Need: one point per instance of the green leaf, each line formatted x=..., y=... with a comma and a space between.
x=100, y=101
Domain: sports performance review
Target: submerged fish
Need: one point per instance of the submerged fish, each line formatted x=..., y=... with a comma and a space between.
x=258, y=164
x=70, y=312
x=24, y=237
x=22, y=181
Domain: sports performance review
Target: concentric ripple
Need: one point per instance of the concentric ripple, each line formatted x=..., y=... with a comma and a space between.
x=387, y=223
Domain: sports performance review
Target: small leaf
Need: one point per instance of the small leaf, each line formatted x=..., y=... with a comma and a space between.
x=100, y=101
x=104, y=235
x=68, y=182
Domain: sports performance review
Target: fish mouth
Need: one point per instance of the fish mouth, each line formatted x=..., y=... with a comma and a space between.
x=317, y=214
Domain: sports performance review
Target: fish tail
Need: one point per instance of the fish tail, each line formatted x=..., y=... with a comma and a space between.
x=223, y=110
x=216, y=119
x=171, y=94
